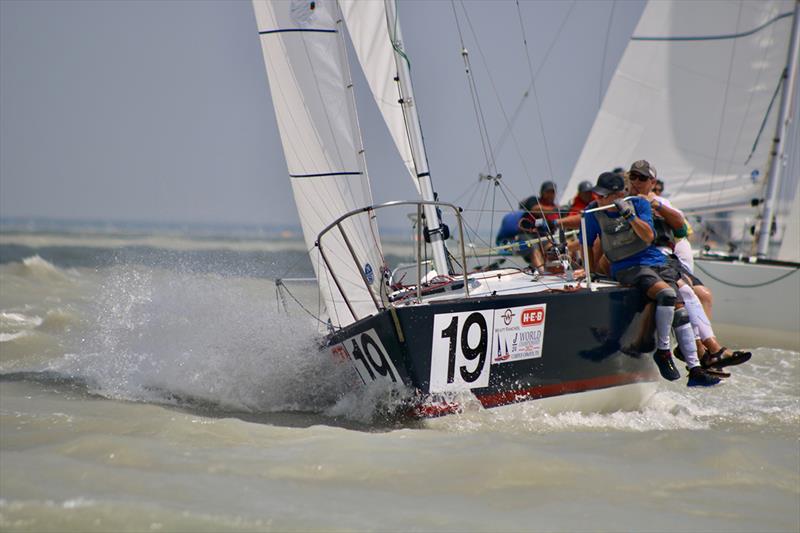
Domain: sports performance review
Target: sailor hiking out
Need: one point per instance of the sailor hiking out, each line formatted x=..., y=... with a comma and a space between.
x=626, y=234
x=671, y=228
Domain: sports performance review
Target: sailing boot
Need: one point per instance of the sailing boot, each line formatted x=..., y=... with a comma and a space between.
x=700, y=377
x=666, y=365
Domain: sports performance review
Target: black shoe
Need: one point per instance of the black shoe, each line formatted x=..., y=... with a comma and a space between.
x=700, y=377
x=666, y=365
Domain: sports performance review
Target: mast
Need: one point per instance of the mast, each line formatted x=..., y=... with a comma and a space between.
x=414, y=131
x=779, y=143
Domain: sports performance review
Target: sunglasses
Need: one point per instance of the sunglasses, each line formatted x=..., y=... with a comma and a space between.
x=639, y=177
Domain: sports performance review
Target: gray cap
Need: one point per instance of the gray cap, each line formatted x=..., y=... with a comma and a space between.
x=585, y=186
x=643, y=168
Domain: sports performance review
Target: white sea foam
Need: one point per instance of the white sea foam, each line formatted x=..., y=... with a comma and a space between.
x=38, y=268
x=166, y=336
x=8, y=337
x=19, y=320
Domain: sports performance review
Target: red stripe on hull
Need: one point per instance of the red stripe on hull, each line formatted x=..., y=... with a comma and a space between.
x=557, y=389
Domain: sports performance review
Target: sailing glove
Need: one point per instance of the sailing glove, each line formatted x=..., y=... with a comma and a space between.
x=624, y=208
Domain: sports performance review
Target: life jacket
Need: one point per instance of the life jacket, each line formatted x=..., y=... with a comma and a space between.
x=665, y=235
x=617, y=237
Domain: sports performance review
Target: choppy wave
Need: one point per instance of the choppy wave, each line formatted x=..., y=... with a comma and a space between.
x=39, y=269
x=144, y=333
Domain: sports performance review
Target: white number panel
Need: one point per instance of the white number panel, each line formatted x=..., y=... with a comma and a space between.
x=369, y=357
x=460, y=350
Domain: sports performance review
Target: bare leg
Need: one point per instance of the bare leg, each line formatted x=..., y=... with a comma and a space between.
x=705, y=298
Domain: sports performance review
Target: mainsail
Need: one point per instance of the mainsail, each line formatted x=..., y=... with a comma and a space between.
x=692, y=94
x=314, y=106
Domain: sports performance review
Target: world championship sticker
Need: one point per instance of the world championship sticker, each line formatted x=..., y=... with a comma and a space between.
x=518, y=333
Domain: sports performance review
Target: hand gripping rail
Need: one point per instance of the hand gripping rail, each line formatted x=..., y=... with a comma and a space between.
x=419, y=205
x=586, y=256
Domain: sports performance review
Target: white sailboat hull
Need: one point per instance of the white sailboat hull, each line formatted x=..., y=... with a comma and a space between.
x=755, y=304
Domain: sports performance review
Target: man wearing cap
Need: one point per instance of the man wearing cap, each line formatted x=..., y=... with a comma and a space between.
x=582, y=199
x=668, y=222
x=626, y=235
x=545, y=205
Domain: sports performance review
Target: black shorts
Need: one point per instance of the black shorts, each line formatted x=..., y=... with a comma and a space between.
x=644, y=277
x=674, y=262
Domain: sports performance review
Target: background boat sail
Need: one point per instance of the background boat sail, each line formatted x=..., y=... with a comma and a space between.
x=504, y=336
x=701, y=91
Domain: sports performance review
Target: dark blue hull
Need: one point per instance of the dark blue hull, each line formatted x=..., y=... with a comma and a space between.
x=506, y=349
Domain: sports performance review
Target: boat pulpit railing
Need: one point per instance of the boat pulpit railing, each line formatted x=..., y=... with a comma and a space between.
x=586, y=257
x=380, y=304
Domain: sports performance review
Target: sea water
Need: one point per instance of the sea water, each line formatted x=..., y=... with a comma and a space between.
x=151, y=382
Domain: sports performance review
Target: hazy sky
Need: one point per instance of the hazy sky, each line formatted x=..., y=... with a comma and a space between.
x=160, y=111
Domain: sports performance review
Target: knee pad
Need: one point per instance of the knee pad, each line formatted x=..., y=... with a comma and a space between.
x=681, y=317
x=666, y=297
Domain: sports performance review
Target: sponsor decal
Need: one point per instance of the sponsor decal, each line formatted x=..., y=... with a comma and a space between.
x=521, y=337
x=302, y=11
x=369, y=273
x=532, y=316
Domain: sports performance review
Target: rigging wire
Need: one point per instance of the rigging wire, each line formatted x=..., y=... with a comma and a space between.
x=510, y=126
x=764, y=61
x=285, y=289
x=476, y=104
x=483, y=129
x=496, y=94
x=535, y=95
x=766, y=116
x=724, y=107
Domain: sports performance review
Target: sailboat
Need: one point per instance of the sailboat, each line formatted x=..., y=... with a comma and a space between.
x=453, y=337
x=707, y=92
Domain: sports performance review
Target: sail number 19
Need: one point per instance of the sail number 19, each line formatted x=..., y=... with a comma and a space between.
x=460, y=350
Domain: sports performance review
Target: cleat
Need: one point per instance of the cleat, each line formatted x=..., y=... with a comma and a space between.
x=666, y=365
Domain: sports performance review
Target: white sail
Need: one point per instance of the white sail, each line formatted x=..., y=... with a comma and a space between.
x=369, y=33
x=789, y=206
x=314, y=107
x=790, y=244
x=375, y=32
x=690, y=95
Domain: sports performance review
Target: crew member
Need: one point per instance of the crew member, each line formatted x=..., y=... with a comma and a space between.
x=517, y=227
x=584, y=197
x=626, y=234
x=670, y=225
